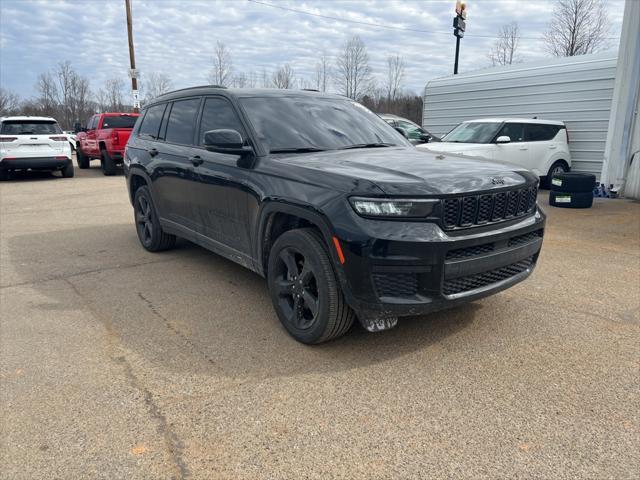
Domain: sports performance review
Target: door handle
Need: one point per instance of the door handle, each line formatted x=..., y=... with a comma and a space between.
x=524, y=148
x=551, y=147
x=196, y=160
x=153, y=152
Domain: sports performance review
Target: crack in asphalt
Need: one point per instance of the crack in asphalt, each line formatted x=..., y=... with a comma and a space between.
x=173, y=444
x=66, y=277
x=175, y=330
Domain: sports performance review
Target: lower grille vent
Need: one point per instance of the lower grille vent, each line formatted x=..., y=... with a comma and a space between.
x=396, y=284
x=471, y=282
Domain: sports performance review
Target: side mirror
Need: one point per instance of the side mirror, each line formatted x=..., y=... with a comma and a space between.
x=503, y=139
x=225, y=140
x=402, y=131
x=425, y=137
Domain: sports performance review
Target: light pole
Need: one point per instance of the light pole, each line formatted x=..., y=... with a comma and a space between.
x=459, y=26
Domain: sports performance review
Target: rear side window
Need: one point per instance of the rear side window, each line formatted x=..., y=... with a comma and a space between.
x=515, y=131
x=182, y=121
x=218, y=113
x=30, y=127
x=535, y=132
x=119, y=121
x=151, y=122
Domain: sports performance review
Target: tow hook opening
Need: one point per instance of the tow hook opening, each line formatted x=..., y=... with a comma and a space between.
x=378, y=324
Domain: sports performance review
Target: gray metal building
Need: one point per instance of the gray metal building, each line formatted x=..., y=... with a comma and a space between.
x=576, y=90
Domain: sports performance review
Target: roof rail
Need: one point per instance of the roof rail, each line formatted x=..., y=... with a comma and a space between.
x=192, y=88
x=310, y=89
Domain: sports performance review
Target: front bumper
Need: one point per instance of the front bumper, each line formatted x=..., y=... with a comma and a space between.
x=35, y=163
x=395, y=269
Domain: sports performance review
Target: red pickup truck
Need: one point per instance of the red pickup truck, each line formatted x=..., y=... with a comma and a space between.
x=105, y=137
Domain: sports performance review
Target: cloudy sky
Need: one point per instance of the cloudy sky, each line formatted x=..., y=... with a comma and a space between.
x=177, y=37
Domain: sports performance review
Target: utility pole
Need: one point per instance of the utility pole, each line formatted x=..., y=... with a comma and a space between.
x=132, y=59
x=459, y=26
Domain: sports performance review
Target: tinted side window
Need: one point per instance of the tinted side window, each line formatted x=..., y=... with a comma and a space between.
x=151, y=122
x=218, y=113
x=539, y=132
x=515, y=131
x=182, y=120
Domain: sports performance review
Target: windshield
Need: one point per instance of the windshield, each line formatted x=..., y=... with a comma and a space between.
x=313, y=124
x=472, y=132
x=30, y=127
x=120, y=121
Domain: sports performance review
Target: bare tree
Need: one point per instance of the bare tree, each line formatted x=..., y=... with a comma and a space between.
x=48, y=94
x=505, y=47
x=577, y=27
x=323, y=73
x=72, y=94
x=156, y=84
x=395, y=77
x=240, y=80
x=265, y=80
x=353, y=74
x=112, y=96
x=9, y=102
x=283, y=77
x=222, y=73
x=252, y=79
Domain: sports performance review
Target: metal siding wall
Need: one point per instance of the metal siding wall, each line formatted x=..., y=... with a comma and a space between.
x=576, y=90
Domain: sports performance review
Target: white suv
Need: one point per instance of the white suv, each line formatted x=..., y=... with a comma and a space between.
x=538, y=145
x=33, y=143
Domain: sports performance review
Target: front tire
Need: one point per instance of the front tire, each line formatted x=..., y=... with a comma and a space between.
x=150, y=233
x=304, y=289
x=107, y=163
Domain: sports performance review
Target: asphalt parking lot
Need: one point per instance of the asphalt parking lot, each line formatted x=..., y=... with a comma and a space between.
x=116, y=363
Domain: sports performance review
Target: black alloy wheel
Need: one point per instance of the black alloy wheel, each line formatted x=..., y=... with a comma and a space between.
x=297, y=288
x=148, y=227
x=144, y=220
x=304, y=289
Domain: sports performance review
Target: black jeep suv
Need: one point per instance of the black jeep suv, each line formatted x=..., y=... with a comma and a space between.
x=341, y=214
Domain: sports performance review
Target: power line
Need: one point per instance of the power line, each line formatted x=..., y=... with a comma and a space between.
x=372, y=24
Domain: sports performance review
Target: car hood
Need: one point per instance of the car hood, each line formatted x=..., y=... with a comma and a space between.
x=454, y=147
x=410, y=171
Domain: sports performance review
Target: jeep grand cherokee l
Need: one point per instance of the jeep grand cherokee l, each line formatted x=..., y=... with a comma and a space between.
x=341, y=214
x=33, y=143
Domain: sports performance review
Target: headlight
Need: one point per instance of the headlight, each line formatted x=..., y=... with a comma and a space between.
x=381, y=207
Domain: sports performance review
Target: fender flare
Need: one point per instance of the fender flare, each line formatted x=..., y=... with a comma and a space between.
x=306, y=212
x=135, y=171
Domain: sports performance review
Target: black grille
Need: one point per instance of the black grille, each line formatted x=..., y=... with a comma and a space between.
x=396, y=284
x=469, y=251
x=471, y=282
x=470, y=210
x=526, y=238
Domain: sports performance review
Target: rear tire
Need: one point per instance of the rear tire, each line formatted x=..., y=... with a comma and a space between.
x=150, y=233
x=67, y=172
x=82, y=159
x=304, y=290
x=107, y=163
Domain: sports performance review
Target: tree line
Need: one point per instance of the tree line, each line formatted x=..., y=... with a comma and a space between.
x=577, y=27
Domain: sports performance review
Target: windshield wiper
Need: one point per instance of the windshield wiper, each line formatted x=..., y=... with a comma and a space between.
x=297, y=150
x=368, y=145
